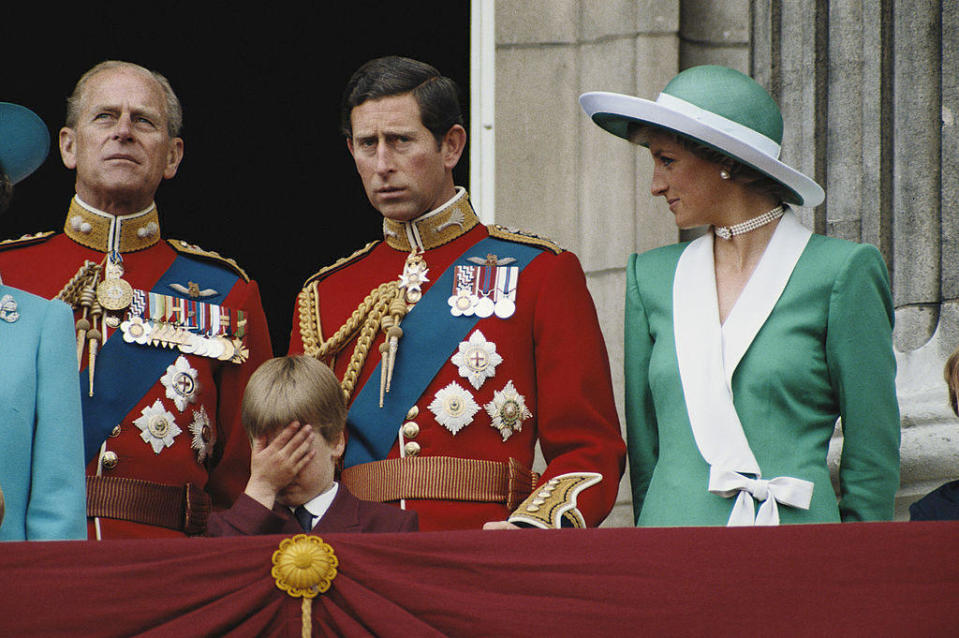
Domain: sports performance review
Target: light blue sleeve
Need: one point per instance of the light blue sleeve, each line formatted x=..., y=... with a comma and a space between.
x=57, y=505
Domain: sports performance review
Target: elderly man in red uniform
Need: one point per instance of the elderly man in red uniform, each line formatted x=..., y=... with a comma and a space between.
x=459, y=346
x=167, y=333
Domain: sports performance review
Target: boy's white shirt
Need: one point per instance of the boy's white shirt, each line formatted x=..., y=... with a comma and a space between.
x=319, y=504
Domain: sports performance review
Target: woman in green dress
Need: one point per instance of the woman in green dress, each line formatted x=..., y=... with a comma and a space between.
x=744, y=347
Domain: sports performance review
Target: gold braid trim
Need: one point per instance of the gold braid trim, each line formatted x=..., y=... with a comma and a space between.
x=366, y=320
x=310, y=330
x=523, y=237
x=380, y=305
x=323, y=272
x=25, y=239
x=70, y=293
x=192, y=249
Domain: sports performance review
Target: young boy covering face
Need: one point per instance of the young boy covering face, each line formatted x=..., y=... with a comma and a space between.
x=295, y=415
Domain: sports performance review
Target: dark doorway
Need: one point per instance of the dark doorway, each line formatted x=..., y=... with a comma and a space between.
x=266, y=178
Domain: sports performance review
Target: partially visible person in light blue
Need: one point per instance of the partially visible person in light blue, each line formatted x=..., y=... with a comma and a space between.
x=41, y=438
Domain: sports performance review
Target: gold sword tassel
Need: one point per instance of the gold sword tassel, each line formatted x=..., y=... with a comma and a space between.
x=384, y=363
x=95, y=336
x=390, y=325
x=393, y=334
x=87, y=298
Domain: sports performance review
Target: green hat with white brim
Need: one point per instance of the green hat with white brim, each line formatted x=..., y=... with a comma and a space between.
x=24, y=141
x=718, y=107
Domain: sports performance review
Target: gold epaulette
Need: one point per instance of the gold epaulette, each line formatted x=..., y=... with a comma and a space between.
x=26, y=240
x=340, y=263
x=523, y=237
x=553, y=504
x=192, y=249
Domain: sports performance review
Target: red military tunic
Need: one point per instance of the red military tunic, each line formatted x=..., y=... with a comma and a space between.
x=212, y=455
x=548, y=357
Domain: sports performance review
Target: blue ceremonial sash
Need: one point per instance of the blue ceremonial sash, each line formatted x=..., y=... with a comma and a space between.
x=126, y=371
x=430, y=335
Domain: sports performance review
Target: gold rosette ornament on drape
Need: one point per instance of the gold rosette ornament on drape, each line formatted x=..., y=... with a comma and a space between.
x=304, y=567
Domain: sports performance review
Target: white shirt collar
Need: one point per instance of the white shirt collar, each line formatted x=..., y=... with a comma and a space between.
x=319, y=504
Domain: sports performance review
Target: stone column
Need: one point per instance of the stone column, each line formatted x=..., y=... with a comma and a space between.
x=925, y=228
x=556, y=174
x=870, y=95
x=868, y=91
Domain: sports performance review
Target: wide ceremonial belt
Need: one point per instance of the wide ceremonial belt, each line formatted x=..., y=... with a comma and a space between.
x=430, y=335
x=126, y=372
x=184, y=508
x=442, y=478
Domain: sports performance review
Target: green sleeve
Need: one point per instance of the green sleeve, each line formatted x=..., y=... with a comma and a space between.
x=862, y=367
x=642, y=438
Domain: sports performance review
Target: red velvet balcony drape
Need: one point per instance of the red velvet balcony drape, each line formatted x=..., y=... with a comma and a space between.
x=888, y=579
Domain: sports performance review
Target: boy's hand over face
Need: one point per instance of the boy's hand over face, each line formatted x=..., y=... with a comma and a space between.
x=274, y=465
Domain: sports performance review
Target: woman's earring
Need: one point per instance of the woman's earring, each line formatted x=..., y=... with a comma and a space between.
x=724, y=174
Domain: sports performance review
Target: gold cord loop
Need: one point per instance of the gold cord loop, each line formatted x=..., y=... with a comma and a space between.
x=383, y=309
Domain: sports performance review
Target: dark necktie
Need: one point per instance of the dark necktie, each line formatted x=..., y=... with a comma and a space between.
x=304, y=516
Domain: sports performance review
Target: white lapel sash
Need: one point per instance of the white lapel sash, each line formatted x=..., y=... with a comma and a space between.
x=708, y=353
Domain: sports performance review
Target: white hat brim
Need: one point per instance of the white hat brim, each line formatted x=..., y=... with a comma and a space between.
x=614, y=111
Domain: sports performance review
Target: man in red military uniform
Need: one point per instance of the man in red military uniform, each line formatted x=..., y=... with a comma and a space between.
x=167, y=333
x=460, y=346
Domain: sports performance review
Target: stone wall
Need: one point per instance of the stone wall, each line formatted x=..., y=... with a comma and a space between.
x=869, y=113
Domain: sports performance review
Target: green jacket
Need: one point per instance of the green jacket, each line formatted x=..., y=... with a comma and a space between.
x=824, y=353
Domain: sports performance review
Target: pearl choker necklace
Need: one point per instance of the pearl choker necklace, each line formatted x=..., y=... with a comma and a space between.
x=727, y=232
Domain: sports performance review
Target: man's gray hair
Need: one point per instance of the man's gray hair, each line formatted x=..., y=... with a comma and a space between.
x=173, y=110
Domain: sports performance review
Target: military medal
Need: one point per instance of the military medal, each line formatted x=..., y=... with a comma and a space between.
x=506, y=279
x=413, y=277
x=114, y=293
x=484, y=290
x=229, y=348
x=463, y=300
x=476, y=359
x=135, y=330
x=157, y=426
x=453, y=407
x=484, y=307
x=507, y=411
x=461, y=303
x=204, y=436
x=192, y=327
x=180, y=381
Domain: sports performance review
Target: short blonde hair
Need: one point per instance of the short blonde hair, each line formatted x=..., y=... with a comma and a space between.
x=293, y=388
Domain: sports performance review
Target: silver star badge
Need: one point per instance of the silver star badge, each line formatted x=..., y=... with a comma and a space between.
x=204, y=437
x=508, y=411
x=181, y=383
x=454, y=407
x=476, y=359
x=157, y=426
